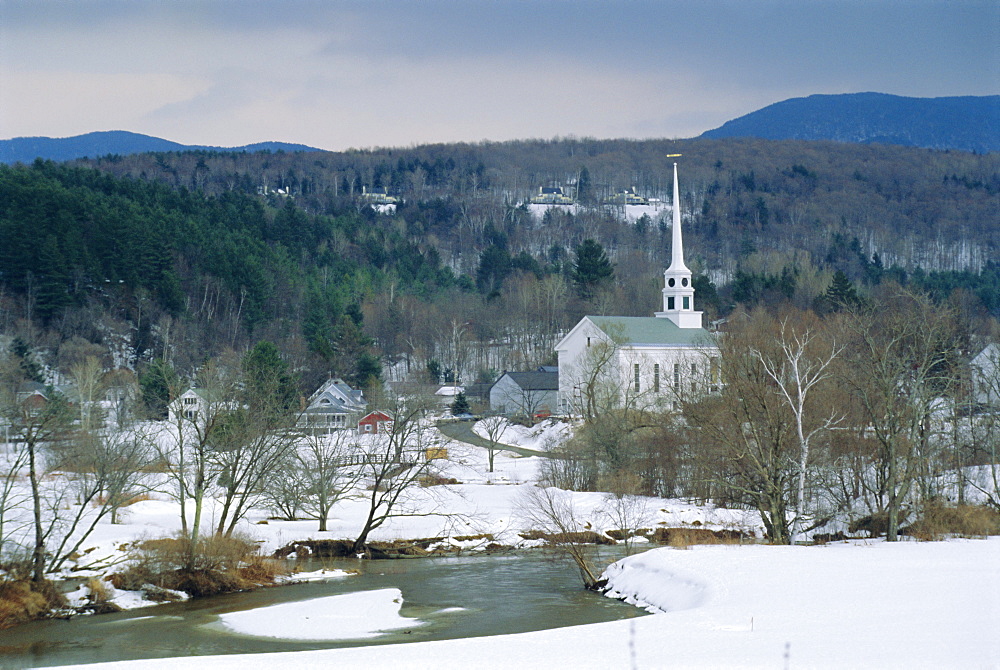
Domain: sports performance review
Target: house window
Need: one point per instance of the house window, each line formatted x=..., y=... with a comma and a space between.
x=656, y=377
x=190, y=401
x=368, y=428
x=687, y=302
x=670, y=302
x=636, y=377
x=190, y=414
x=677, y=377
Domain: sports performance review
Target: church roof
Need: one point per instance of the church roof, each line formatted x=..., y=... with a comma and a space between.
x=650, y=330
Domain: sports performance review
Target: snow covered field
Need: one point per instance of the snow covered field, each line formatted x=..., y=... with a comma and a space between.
x=878, y=605
x=860, y=604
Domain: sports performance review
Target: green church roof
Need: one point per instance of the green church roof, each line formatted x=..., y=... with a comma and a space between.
x=647, y=330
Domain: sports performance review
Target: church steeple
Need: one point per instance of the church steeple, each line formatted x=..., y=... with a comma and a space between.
x=678, y=293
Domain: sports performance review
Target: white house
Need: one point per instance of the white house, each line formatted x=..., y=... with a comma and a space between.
x=658, y=358
x=333, y=406
x=986, y=375
x=189, y=405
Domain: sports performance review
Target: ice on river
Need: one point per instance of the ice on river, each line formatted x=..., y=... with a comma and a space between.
x=350, y=616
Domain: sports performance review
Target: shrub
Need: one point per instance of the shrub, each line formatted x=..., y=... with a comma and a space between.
x=214, y=564
x=24, y=600
x=940, y=521
x=99, y=592
x=685, y=537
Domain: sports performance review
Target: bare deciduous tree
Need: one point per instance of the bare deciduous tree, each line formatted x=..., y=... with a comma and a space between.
x=551, y=511
x=797, y=366
x=324, y=472
x=392, y=464
x=493, y=425
x=902, y=352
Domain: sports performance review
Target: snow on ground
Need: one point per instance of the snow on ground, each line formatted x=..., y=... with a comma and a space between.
x=859, y=605
x=545, y=436
x=364, y=614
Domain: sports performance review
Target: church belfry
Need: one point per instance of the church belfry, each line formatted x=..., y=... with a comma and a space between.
x=678, y=293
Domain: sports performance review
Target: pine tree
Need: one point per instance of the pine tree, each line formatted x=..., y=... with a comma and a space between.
x=460, y=406
x=591, y=268
x=841, y=292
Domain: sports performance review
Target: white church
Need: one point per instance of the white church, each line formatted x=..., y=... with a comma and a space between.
x=658, y=359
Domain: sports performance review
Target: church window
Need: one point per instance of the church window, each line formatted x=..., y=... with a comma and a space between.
x=677, y=377
x=636, y=377
x=588, y=341
x=687, y=302
x=670, y=302
x=670, y=282
x=656, y=377
x=684, y=281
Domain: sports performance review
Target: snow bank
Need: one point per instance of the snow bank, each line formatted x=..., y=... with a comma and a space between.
x=880, y=605
x=350, y=616
x=544, y=436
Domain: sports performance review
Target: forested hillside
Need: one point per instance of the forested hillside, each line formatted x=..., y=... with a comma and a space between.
x=101, y=143
x=183, y=255
x=966, y=123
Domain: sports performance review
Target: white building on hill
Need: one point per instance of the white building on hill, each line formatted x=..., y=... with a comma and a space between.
x=653, y=360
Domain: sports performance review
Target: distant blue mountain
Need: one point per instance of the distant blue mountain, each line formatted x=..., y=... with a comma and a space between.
x=120, y=142
x=970, y=123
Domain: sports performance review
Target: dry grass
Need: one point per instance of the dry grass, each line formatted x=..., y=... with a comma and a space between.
x=574, y=537
x=211, y=566
x=24, y=600
x=686, y=537
x=98, y=591
x=139, y=497
x=940, y=521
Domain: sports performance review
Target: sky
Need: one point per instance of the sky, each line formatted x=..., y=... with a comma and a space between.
x=350, y=74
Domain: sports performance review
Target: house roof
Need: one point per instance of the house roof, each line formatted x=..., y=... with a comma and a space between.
x=336, y=394
x=989, y=354
x=536, y=381
x=377, y=415
x=650, y=330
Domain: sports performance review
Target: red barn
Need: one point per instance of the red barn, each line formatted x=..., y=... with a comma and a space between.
x=374, y=423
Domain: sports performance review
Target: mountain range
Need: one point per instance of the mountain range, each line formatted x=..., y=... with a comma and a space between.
x=121, y=142
x=967, y=123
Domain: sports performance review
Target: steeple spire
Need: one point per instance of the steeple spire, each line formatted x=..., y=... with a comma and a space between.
x=677, y=248
x=678, y=293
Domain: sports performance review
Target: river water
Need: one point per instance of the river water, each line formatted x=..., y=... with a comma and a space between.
x=497, y=594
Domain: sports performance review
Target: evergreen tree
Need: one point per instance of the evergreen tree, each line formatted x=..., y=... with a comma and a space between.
x=368, y=370
x=269, y=386
x=460, y=406
x=584, y=188
x=53, y=280
x=591, y=268
x=158, y=383
x=494, y=266
x=841, y=292
x=25, y=361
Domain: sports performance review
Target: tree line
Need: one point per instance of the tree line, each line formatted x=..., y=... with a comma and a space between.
x=869, y=412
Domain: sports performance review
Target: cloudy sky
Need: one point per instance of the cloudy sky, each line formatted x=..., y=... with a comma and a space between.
x=338, y=74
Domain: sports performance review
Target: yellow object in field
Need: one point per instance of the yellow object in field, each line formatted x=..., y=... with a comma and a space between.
x=436, y=452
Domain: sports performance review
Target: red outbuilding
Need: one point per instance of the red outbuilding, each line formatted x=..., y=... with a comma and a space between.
x=374, y=423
